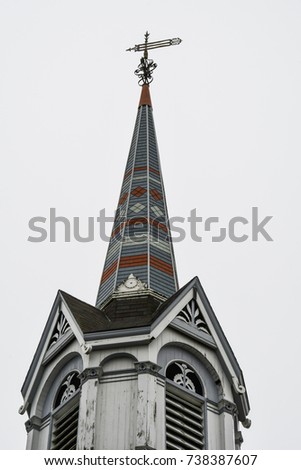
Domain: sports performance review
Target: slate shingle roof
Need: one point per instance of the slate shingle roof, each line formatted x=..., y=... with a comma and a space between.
x=120, y=312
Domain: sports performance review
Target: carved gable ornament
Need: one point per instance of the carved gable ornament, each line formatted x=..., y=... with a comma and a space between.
x=61, y=328
x=191, y=314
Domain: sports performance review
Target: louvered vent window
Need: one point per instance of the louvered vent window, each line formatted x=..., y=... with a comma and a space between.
x=184, y=409
x=65, y=416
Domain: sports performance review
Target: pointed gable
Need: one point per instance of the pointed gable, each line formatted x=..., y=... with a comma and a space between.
x=60, y=329
x=190, y=312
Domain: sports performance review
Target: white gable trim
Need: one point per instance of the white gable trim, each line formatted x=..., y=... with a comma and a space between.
x=161, y=324
x=74, y=326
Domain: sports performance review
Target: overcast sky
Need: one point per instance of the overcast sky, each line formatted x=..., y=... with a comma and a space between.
x=227, y=114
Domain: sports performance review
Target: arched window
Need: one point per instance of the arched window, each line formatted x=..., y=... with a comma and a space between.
x=184, y=408
x=65, y=414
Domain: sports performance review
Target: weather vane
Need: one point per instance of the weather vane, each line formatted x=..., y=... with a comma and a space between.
x=147, y=66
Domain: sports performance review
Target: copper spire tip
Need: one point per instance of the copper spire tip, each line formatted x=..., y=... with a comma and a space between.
x=145, y=98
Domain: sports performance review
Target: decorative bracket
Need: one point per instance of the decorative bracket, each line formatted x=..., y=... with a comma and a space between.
x=91, y=373
x=23, y=408
x=86, y=348
x=237, y=386
x=147, y=367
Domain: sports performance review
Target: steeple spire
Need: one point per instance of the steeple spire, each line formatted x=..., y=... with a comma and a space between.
x=140, y=257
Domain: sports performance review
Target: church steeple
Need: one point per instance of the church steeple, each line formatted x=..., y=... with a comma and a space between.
x=140, y=246
x=149, y=367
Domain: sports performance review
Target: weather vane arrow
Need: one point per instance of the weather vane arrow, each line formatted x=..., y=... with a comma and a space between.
x=147, y=66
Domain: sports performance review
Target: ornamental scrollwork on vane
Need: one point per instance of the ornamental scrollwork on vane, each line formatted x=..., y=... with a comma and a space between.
x=191, y=315
x=145, y=70
x=61, y=328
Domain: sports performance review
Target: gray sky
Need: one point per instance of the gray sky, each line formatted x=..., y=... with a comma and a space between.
x=227, y=113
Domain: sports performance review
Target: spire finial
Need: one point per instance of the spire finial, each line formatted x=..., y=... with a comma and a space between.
x=147, y=66
x=146, y=36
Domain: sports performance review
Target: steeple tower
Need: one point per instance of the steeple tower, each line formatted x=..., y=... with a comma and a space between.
x=140, y=245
